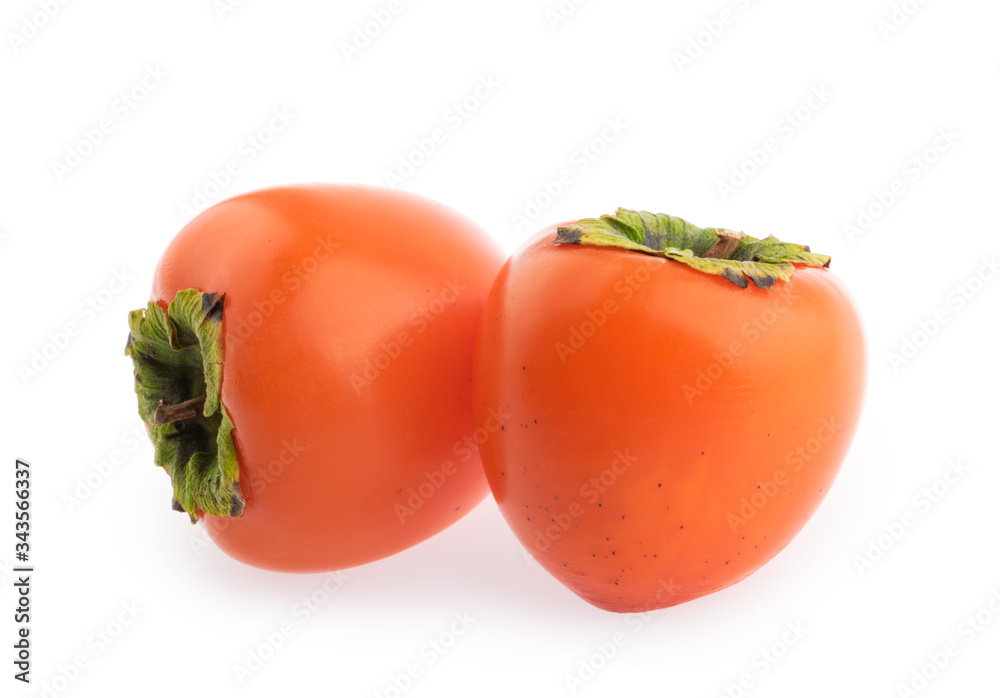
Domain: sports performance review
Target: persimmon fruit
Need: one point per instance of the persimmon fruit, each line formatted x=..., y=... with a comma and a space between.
x=304, y=368
x=680, y=401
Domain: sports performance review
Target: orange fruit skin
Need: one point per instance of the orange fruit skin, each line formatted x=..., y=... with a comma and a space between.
x=667, y=432
x=320, y=280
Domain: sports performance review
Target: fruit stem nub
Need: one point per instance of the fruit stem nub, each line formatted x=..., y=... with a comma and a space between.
x=165, y=414
x=727, y=243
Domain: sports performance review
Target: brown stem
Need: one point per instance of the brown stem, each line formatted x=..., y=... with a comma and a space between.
x=728, y=241
x=165, y=414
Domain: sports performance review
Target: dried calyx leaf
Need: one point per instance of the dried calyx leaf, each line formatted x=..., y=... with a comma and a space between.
x=737, y=257
x=177, y=357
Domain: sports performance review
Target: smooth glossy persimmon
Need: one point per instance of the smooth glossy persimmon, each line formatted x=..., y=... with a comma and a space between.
x=334, y=325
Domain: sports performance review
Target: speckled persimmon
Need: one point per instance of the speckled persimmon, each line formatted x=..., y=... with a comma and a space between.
x=669, y=431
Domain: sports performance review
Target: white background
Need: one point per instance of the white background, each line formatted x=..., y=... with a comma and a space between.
x=684, y=125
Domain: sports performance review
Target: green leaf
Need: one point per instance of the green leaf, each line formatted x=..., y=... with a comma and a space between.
x=177, y=358
x=762, y=262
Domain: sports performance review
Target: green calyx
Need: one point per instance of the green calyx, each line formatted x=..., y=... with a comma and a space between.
x=177, y=356
x=736, y=257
